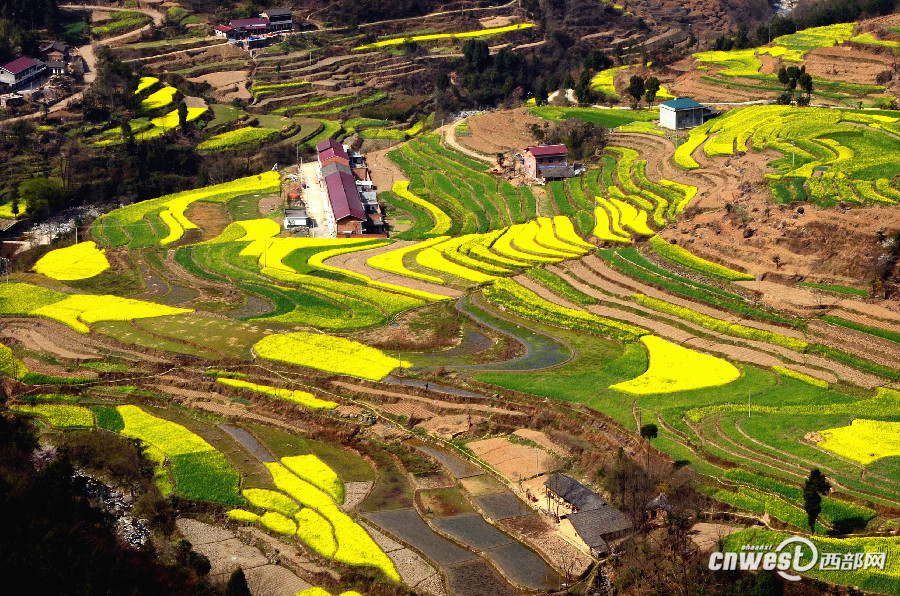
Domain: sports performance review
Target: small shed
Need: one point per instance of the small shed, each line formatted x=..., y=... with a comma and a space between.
x=683, y=113
x=295, y=218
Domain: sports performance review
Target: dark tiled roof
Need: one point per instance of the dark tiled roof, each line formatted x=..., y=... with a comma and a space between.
x=335, y=166
x=574, y=492
x=56, y=45
x=344, y=197
x=594, y=524
x=19, y=64
x=660, y=501
x=682, y=103
x=542, y=150
x=277, y=12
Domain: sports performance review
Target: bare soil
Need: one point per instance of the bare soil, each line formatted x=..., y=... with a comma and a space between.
x=212, y=218
x=706, y=535
x=513, y=461
x=500, y=131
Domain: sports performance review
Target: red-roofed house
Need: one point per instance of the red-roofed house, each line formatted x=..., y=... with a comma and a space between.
x=222, y=30
x=548, y=161
x=331, y=155
x=241, y=28
x=21, y=71
x=346, y=205
x=331, y=144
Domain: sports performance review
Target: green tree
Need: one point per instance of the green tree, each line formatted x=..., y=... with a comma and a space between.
x=477, y=54
x=182, y=114
x=651, y=88
x=816, y=486
x=635, y=89
x=237, y=584
x=41, y=195
x=805, y=81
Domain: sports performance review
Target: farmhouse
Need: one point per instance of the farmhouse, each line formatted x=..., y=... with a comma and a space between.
x=280, y=19
x=21, y=72
x=683, y=113
x=584, y=516
x=548, y=162
x=353, y=202
x=55, y=52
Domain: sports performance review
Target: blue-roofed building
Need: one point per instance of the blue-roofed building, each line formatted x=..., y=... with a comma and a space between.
x=683, y=113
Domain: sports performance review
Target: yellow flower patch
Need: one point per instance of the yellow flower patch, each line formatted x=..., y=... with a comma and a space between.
x=864, y=440
x=278, y=523
x=316, y=472
x=332, y=354
x=79, y=261
x=159, y=99
x=78, y=309
x=316, y=532
x=298, y=397
x=60, y=415
x=674, y=368
x=392, y=261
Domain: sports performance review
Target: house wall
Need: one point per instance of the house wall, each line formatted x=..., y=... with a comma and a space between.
x=667, y=118
x=530, y=165
x=568, y=530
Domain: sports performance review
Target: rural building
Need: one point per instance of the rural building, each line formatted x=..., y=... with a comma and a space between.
x=332, y=155
x=353, y=200
x=11, y=100
x=683, y=113
x=56, y=67
x=584, y=516
x=245, y=28
x=548, y=162
x=55, y=52
x=222, y=30
x=21, y=72
x=280, y=19
x=659, y=507
x=295, y=218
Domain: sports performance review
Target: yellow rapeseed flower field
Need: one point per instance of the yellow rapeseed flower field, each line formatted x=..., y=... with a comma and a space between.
x=674, y=368
x=79, y=261
x=332, y=354
x=864, y=440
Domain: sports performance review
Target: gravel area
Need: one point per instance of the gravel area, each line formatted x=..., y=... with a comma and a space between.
x=355, y=493
x=272, y=580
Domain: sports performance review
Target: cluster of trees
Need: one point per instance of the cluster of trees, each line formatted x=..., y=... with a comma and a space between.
x=583, y=139
x=795, y=80
x=54, y=542
x=640, y=88
x=18, y=21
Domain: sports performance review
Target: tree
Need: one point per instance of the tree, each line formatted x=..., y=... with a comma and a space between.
x=41, y=195
x=805, y=81
x=237, y=584
x=783, y=76
x=636, y=89
x=540, y=94
x=568, y=82
x=649, y=431
x=182, y=114
x=816, y=486
x=477, y=54
x=651, y=87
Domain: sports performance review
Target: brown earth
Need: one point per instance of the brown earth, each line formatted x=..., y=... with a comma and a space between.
x=227, y=85
x=848, y=63
x=212, y=218
x=500, y=131
x=513, y=461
